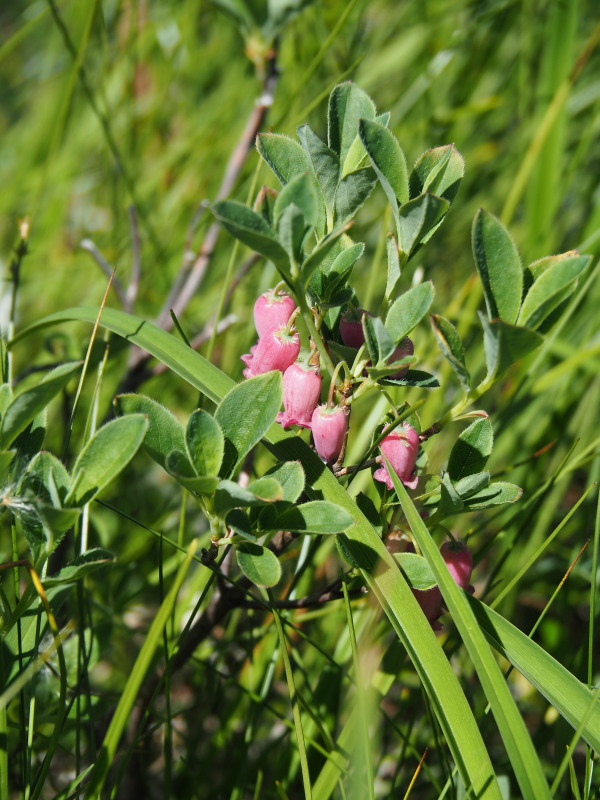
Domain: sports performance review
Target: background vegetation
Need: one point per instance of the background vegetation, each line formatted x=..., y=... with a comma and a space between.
x=118, y=120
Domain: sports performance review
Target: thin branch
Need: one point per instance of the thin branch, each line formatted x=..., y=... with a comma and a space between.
x=89, y=246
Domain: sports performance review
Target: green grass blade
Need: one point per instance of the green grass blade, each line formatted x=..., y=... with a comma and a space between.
x=380, y=569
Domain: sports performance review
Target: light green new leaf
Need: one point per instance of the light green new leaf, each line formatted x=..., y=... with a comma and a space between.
x=204, y=442
x=106, y=454
x=499, y=266
x=555, y=283
x=252, y=229
x=517, y=741
x=285, y=156
x=258, y=564
x=317, y=516
x=165, y=433
x=471, y=450
x=27, y=405
x=451, y=346
x=245, y=414
x=387, y=159
x=408, y=310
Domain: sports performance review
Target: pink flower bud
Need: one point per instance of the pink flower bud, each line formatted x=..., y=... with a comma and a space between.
x=459, y=561
x=351, y=330
x=272, y=310
x=276, y=350
x=301, y=390
x=329, y=427
x=401, y=448
x=405, y=348
x=430, y=601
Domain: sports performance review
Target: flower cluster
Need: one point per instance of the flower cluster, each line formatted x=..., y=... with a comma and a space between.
x=278, y=346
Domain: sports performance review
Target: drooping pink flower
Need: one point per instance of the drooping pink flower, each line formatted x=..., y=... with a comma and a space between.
x=271, y=310
x=351, y=329
x=459, y=561
x=301, y=390
x=430, y=601
x=329, y=427
x=276, y=350
x=401, y=448
x=405, y=348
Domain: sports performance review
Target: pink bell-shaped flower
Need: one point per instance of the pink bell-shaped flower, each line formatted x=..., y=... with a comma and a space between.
x=401, y=448
x=405, y=348
x=329, y=426
x=430, y=601
x=351, y=329
x=277, y=350
x=271, y=310
x=459, y=561
x=301, y=390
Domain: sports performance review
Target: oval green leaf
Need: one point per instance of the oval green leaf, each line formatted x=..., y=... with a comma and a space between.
x=499, y=266
x=408, y=310
x=258, y=564
x=165, y=433
x=205, y=443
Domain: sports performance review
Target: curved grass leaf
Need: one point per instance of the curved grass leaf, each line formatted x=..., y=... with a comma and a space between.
x=165, y=432
x=499, y=265
x=106, y=454
x=258, y=564
x=284, y=155
x=408, y=310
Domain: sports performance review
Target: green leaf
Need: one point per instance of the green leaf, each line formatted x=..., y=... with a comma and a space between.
x=416, y=570
x=106, y=454
x=325, y=163
x=393, y=267
x=451, y=346
x=231, y=495
x=6, y=396
x=291, y=229
x=258, y=564
x=504, y=344
x=450, y=502
x=408, y=310
x=448, y=700
x=300, y=191
x=352, y=192
x=90, y=561
x=340, y=269
x=245, y=414
x=554, y=284
x=438, y=171
x=379, y=343
x=471, y=484
x=414, y=377
x=180, y=468
x=495, y=494
x=48, y=478
x=290, y=477
x=284, y=155
x=571, y=698
x=499, y=266
x=322, y=249
x=317, y=516
x=417, y=219
x=251, y=229
x=165, y=433
x=347, y=104
x=205, y=443
x=265, y=204
x=237, y=521
x=6, y=457
x=27, y=405
x=471, y=450
x=387, y=159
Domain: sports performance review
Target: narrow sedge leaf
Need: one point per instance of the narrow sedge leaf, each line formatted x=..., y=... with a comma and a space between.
x=258, y=564
x=245, y=414
x=325, y=163
x=387, y=159
x=416, y=219
x=499, y=266
x=302, y=193
x=317, y=516
x=471, y=450
x=165, y=433
x=106, y=454
x=505, y=344
x=251, y=229
x=517, y=741
x=393, y=267
x=416, y=570
x=27, y=405
x=549, y=290
x=347, y=104
x=408, y=310
x=352, y=192
x=290, y=477
x=451, y=346
x=571, y=698
x=285, y=156
x=439, y=171
x=448, y=700
x=495, y=494
x=205, y=443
